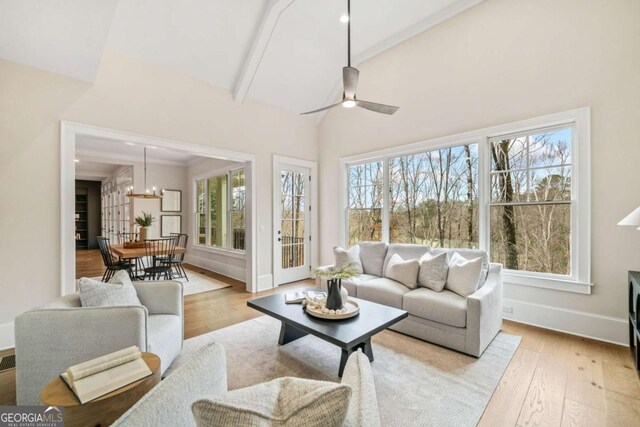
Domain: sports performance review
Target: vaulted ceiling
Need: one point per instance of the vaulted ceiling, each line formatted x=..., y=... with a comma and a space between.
x=287, y=53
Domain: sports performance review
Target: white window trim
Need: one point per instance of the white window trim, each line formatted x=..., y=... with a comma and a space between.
x=580, y=279
x=229, y=251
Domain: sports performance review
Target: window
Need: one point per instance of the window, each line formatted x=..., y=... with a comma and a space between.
x=530, y=214
x=365, y=202
x=517, y=191
x=434, y=198
x=220, y=210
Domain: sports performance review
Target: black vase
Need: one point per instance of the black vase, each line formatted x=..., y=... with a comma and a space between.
x=334, y=296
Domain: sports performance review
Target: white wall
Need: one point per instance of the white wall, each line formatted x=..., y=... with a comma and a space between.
x=224, y=262
x=128, y=95
x=500, y=62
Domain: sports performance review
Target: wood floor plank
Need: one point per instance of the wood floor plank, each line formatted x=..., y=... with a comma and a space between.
x=621, y=379
x=505, y=404
x=544, y=402
x=578, y=415
x=621, y=410
x=585, y=382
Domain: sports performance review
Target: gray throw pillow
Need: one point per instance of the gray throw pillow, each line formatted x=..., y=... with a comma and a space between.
x=372, y=255
x=346, y=257
x=433, y=271
x=119, y=291
x=405, y=272
x=281, y=402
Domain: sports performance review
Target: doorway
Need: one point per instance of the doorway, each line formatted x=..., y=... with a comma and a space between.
x=293, y=219
x=71, y=133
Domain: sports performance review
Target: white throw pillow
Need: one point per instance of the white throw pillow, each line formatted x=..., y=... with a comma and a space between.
x=433, y=271
x=346, y=257
x=464, y=275
x=119, y=291
x=282, y=402
x=405, y=272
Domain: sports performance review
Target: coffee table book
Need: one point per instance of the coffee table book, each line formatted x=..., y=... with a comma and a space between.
x=93, y=386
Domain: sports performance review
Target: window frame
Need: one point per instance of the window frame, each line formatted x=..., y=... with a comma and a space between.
x=228, y=248
x=579, y=119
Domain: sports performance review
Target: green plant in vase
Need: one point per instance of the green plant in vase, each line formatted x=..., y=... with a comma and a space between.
x=144, y=221
x=336, y=296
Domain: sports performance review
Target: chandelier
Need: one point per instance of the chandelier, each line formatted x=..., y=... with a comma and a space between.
x=148, y=194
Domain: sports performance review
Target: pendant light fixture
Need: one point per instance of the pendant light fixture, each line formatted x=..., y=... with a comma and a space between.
x=148, y=194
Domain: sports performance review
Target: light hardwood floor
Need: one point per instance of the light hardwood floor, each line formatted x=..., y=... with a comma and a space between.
x=554, y=379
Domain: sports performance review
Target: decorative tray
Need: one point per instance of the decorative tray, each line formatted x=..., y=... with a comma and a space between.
x=351, y=308
x=133, y=245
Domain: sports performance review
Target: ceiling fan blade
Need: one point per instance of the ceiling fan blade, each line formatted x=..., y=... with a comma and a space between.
x=378, y=108
x=322, y=109
x=350, y=81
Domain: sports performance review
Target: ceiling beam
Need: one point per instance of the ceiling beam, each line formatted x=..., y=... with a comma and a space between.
x=404, y=35
x=272, y=13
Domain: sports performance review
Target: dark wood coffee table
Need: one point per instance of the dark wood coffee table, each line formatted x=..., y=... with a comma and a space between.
x=348, y=334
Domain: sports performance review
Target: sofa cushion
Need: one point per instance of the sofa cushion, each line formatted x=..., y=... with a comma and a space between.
x=118, y=292
x=164, y=337
x=406, y=251
x=444, y=307
x=464, y=275
x=372, y=257
x=383, y=291
x=351, y=285
x=346, y=257
x=405, y=272
x=470, y=254
x=433, y=271
x=281, y=402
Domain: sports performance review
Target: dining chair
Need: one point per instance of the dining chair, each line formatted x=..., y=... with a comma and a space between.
x=128, y=237
x=178, y=259
x=112, y=263
x=138, y=263
x=159, y=252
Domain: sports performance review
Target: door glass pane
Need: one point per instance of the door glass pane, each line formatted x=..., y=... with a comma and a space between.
x=292, y=210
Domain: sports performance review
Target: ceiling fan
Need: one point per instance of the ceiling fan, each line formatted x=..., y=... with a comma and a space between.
x=350, y=83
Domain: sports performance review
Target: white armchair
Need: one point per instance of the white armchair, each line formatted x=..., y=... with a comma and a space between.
x=51, y=338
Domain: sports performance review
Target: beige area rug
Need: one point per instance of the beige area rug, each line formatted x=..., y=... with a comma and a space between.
x=417, y=383
x=197, y=284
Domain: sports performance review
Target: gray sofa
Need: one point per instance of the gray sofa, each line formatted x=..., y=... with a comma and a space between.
x=205, y=375
x=445, y=318
x=51, y=338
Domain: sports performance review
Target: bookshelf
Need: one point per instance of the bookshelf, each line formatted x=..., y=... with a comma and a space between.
x=81, y=217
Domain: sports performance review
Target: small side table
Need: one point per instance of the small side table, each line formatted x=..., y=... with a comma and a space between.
x=634, y=317
x=104, y=410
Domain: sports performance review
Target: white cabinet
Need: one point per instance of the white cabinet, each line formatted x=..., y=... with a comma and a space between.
x=116, y=211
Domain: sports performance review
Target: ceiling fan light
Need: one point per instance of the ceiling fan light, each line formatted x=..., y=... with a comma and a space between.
x=348, y=103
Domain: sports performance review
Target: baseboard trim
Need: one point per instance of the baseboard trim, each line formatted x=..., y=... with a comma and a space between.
x=7, y=337
x=265, y=281
x=588, y=325
x=232, y=271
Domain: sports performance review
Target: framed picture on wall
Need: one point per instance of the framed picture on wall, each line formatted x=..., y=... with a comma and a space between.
x=171, y=201
x=170, y=224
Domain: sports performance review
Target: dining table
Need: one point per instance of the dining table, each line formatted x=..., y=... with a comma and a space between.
x=131, y=253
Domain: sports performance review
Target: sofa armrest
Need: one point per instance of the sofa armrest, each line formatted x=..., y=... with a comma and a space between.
x=169, y=403
x=161, y=297
x=320, y=282
x=48, y=341
x=484, y=312
x=363, y=406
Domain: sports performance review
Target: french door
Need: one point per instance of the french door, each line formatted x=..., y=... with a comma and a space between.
x=292, y=223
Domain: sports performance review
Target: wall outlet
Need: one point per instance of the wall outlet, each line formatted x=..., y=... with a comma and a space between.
x=507, y=309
